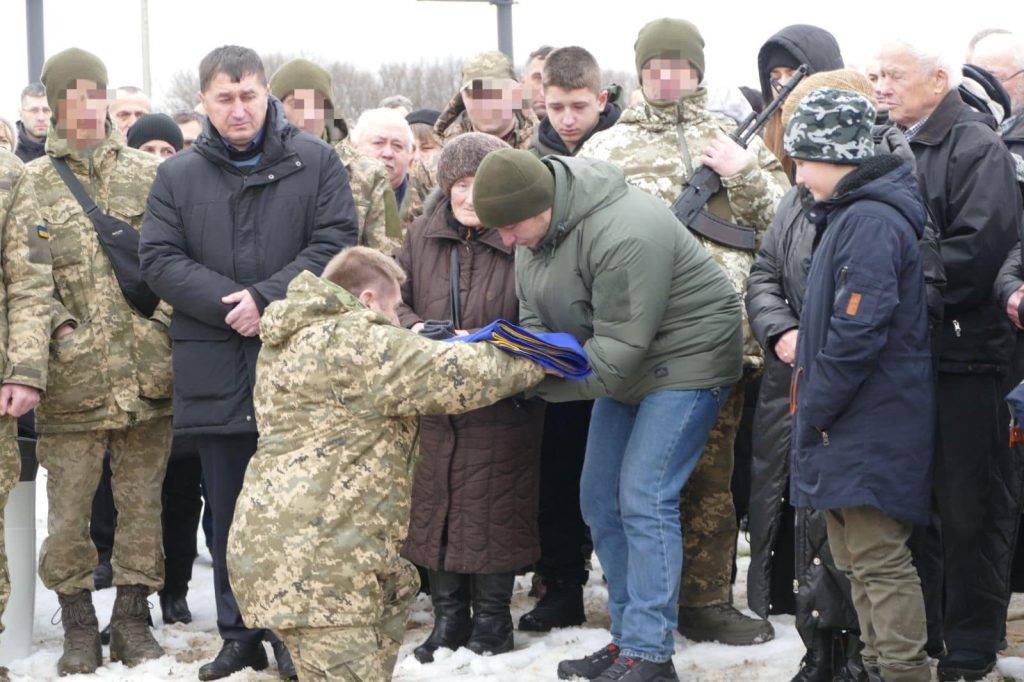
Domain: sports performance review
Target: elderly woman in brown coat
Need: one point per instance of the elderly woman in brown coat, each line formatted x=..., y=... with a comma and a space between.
x=475, y=492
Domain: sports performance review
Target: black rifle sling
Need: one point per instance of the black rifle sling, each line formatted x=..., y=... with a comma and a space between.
x=120, y=242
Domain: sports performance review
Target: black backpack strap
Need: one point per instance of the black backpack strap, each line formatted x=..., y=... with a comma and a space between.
x=68, y=176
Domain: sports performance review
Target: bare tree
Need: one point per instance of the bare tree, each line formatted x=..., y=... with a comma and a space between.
x=181, y=94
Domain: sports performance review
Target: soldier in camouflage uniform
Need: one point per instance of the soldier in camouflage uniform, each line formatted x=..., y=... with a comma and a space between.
x=24, y=323
x=486, y=78
x=109, y=383
x=304, y=89
x=659, y=143
x=313, y=551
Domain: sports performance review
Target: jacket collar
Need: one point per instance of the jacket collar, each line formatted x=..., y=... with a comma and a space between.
x=550, y=142
x=25, y=141
x=690, y=108
x=58, y=147
x=277, y=133
x=943, y=118
x=438, y=227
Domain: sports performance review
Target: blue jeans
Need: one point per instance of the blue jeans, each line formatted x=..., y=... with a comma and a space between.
x=638, y=459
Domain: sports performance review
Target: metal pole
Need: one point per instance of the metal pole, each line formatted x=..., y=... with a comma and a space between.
x=504, y=8
x=146, y=86
x=34, y=34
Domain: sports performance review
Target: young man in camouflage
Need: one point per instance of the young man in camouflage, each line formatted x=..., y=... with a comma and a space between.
x=25, y=298
x=304, y=89
x=658, y=144
x=109, y=377
x=313, y=551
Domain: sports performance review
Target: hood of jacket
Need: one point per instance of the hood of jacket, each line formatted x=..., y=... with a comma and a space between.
x=548, y=141
x=886, y=179
x=810, y=45
x=581, y=187
x=309, y=300
x=277, y=131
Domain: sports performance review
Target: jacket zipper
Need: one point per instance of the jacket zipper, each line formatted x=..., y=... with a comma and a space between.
x=824, y=438
x=956, y=328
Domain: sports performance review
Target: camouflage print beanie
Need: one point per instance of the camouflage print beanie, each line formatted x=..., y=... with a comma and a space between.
x=64, y=68
x=833, y=126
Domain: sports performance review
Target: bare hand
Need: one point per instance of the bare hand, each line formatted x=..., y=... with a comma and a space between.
x=63, y=330
x=785, y=347
x=17, y=399
x=416, y=328
x=1013, y=308
x=244, y=318
x=725, y=157
x=461, y=332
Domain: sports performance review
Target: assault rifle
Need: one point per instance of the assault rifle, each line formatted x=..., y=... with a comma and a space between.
x=705, y=183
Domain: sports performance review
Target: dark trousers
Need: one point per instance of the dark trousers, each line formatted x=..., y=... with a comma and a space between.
x=104, y=515
x=565, y=544
x=182, y=507
x=225, y=459
x=978, y=497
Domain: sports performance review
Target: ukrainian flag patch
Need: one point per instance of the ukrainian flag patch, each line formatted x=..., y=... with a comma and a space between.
x=43, y=231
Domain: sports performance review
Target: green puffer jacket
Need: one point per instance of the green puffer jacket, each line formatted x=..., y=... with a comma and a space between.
x=622, y=275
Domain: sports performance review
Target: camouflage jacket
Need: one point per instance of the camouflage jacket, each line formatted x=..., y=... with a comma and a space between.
x=658, y=148
x=454, y=121
x=369, y=182
x=114, y=369
x=422, y=180
x=28, y=282
x=325, y=503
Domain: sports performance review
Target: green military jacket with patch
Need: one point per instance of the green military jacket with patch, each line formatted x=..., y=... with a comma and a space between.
x=114, y=369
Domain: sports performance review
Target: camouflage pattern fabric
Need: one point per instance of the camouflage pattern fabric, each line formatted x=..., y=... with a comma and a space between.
x=454, y=121
x=27, y=291
x=74, y=464
x=24, y=317
x=367, y=653
x=114, y=369
x=833, y=126
x=1018, y=161
x=492, y=66
x=368, y=180
x=10, y=472
x=658, y=149
x=422, y=181
x=324, y=507
x=707, y=513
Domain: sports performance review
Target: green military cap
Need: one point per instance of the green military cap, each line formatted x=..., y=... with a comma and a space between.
x=494, y=67
x=833, y=126
x=64, y=68
x=302, y=74
x=669, y=39
x=511, y=185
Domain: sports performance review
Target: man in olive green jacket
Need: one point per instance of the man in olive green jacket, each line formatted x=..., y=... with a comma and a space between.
x=109, y=377
x=661, y=324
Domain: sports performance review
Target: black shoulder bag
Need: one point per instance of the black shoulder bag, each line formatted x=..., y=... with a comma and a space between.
x=120, y=241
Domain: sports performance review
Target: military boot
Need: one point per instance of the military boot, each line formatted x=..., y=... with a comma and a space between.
x=82, y=650
x=816, y=665
x=560, y=607
x=492, y=619
x=131, y=641
x=724, y=624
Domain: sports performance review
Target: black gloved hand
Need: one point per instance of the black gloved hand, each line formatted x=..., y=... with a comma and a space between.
x=438, y=330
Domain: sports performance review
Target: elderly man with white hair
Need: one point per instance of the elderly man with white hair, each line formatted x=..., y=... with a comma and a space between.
x=384, y=134
x=967, y=178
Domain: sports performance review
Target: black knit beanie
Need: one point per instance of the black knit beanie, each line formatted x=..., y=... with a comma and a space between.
x=155, y=127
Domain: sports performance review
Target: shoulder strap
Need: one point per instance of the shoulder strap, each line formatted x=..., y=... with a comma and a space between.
x=68, y=176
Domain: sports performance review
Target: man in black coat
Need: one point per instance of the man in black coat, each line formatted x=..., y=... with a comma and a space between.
x=968, y=182
x=228, y=224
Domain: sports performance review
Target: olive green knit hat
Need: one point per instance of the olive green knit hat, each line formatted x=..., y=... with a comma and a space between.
x=302, y=74
x=512, y=185
x=669, y=39
x=64, y=68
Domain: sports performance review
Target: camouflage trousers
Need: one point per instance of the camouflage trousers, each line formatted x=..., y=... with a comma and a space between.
x=707, y=513
x=10, y=472
x=357, y=654
x=74, y=463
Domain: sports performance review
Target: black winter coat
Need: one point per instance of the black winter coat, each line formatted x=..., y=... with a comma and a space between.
x=967, y=177
x=212, y=229
x=774, y=300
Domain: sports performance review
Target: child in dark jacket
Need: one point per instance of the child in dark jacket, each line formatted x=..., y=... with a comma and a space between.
x=862, y=390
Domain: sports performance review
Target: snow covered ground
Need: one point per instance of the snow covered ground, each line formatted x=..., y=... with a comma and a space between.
x=535, y=657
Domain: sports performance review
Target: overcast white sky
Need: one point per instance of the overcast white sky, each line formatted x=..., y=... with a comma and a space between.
x=369, y=32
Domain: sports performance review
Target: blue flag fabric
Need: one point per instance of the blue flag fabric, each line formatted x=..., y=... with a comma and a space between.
x=557, y=351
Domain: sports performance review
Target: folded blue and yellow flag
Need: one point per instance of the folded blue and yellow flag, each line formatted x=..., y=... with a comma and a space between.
x=557, y=351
